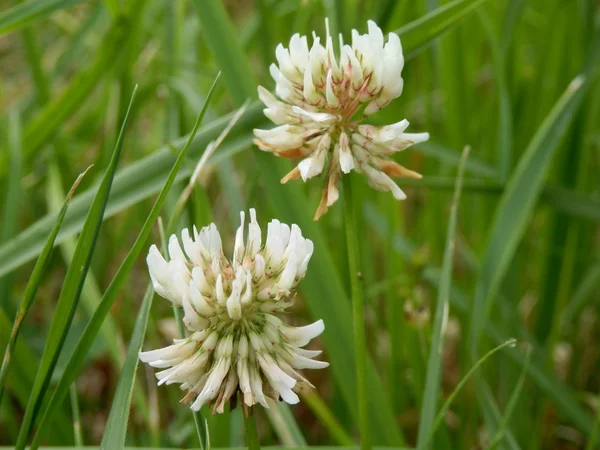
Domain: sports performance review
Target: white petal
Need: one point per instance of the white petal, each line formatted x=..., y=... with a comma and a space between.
x=379, y=180
x=346, y=159
x=301, y=336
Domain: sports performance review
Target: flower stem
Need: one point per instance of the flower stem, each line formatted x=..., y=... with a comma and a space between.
x=251, y=431
x=358, y=315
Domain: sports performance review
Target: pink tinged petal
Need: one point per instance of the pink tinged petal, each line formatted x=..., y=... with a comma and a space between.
x=313, y=165
x=210, y=342
x=238, y=247
x=255, y=342
x=247, y=293
x=356, y=74
x=383, y=135
x=319, y=117
x=254, y=235
x=199, y=280
x=230, y=385
x=234, y=306
x=191, y=319
x=198, y=301
x=309, y=90
x=405, y=140
x=334, y=68
x=286, y=279
x=220, y=292
x=213, y=383
x=417, y=137
x=259, y=266
x=346, y=160
x=332, y=100
x=380, y=181
x=300, y=336
x=283, y=137
x=317, y=61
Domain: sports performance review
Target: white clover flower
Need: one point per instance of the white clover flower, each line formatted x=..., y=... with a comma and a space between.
x=319, y=102
x=237, y=343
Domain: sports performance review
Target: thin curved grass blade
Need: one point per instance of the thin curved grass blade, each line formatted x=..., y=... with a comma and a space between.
x=33, y=285
x=91, y=331
x=70, y=292
x=26, y=13
x=434, y=365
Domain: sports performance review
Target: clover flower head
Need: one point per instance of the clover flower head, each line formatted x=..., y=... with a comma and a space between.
x=319, y=103
x=236, y=344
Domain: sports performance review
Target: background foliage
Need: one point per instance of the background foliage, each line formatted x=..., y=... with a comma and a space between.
x=517, y=80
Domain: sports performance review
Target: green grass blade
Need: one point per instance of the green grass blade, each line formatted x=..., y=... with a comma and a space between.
x=26, y=13
x=323, y=281
x=285, y=425
x=32, y=287
x=12, y=203
x=518, y=202
x=18, y=385
x=40, y=130
x=510, y=407
x=555, y=389
x=327, y=419
x=70, y=292
x=76, y=416
x=421, y=32
x=136, y=182
x=444, y=409
x=434, y=365
x=590, y=284
x=230, y=57
x=77, y=359
x=116, y=426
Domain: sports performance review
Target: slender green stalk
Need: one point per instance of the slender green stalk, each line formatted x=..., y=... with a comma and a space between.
x=512, y=403
x=76, y=416
x=32, y=287
x=358, y=315
x=328, y=419
x=251, y=431
x=442, y=413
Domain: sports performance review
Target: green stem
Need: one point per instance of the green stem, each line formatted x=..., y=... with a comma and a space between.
x=251, y=431
x=76, y=416
x=358, y=315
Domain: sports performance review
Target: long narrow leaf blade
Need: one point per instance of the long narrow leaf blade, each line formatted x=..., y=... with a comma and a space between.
x=423, y=31
x=70, y=292
x=434, y=365
x=33, y=285
x=26, y=13
x=518, y=202
x=87, y=339
x=116, y=426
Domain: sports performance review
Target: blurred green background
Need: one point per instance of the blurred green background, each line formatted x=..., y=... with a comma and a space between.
x=517, y=80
